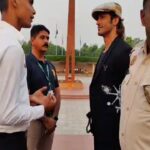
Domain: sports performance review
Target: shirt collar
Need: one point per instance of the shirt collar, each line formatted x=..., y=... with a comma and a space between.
x=32, y=55
x=14, y=32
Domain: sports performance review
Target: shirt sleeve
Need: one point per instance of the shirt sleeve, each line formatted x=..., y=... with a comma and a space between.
x=56, y=79
x=15, y=108
x=29, y=72
x=145, y=82
x=56, y=83
x=122, y=63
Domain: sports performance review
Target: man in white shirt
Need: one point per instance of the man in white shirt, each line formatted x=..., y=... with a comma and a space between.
x=15, y=110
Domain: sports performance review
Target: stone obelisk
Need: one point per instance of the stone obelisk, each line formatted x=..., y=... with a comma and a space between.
x=70, y=52
x=70, y=82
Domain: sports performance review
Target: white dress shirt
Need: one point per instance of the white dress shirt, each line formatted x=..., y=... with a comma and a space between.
x=15, y=110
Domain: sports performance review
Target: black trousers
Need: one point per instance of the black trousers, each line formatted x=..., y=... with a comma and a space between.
x=13, y=141
x=100, y=144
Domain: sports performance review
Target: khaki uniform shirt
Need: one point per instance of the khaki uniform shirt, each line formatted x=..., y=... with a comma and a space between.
x=135, y=108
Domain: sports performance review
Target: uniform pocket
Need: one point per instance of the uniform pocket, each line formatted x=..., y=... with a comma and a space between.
x=147, y=92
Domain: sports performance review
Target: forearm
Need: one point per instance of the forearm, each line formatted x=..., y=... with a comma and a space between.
x=22, y=115
x=39, y=98
x=58, y=102
x=15, y=108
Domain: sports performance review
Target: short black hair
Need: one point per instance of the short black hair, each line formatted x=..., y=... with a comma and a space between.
x=144, y=3
x=3, y=5
x=38, y=28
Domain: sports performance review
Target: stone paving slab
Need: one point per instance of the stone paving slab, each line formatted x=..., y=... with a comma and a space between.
x=73, y=142
x=70, y=133
x=72, y=117
x=72, y=93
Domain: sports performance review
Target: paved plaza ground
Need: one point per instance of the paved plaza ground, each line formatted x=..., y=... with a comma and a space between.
x=70, y=133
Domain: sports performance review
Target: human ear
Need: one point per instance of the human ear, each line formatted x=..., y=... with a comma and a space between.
x=13, y=3
x=115, y=21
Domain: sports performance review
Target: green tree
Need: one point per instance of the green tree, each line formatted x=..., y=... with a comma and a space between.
x=55, y=50
x=132, y=42
x=26, y=47
x=91, y=51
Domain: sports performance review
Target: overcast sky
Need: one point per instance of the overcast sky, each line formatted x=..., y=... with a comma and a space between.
x=55, y=12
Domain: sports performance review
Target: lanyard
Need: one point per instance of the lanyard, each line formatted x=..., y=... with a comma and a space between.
x=47, y=74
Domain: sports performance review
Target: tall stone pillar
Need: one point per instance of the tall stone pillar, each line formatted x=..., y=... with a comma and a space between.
x=70, y=53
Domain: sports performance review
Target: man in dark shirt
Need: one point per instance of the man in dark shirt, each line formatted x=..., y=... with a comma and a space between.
x=41, y=73
x=110, y=70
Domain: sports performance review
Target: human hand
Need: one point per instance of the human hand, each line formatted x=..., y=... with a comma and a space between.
x=49, y=124
x=48, y=101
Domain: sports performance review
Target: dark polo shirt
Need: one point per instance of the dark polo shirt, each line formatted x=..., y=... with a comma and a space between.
x=37, y=77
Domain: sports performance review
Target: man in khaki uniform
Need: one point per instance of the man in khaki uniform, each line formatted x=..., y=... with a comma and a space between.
x=135, y=104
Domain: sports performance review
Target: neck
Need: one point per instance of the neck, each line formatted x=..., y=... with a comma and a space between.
x=148, y=45
x=109, y=38
x=38, y=55
x=11, y=20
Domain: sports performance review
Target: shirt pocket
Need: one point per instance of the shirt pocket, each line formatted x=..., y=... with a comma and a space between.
x=145, y=84
x=147, y=92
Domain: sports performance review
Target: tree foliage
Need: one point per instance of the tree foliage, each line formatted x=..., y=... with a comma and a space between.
x=132, y=42
x=52, y=49
x=91, y=51
x=87, y=53
x=27, y=47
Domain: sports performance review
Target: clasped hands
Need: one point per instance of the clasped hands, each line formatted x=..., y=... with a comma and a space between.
x=49, y=124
